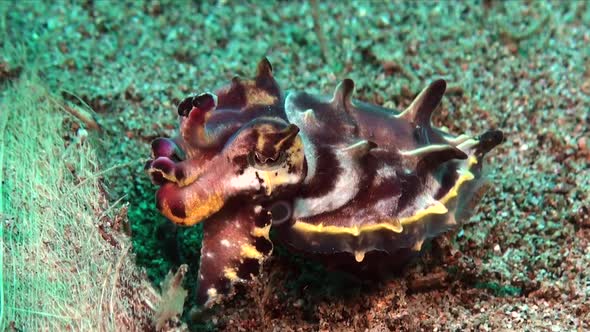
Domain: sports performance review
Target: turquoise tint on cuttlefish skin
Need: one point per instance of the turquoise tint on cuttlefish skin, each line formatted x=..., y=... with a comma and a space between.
x=355, y=185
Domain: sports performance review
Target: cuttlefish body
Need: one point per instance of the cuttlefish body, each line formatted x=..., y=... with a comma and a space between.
x=335, y=177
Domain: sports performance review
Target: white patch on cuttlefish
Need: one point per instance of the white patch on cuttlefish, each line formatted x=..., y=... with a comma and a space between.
x=384, y=173
x=345, y=189
x=245, y=181
x=301, y=119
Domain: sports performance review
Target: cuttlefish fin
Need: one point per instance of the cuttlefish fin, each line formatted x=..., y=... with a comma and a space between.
x=235, y=245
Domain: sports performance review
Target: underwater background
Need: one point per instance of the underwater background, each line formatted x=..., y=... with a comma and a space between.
x=87, y=85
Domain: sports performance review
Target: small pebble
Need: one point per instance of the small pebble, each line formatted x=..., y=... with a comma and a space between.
x=497, y=249
x=583, y=144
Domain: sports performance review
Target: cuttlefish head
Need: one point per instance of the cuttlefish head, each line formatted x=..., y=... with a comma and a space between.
x=263, y=158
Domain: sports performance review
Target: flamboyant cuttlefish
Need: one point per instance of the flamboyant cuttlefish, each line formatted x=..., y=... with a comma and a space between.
x=341, y=179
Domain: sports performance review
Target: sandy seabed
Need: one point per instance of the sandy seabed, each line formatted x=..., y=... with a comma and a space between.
x=69, y=190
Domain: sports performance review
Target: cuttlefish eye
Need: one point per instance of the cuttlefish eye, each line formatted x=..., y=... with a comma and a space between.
x=269, y=155
x=261, y=162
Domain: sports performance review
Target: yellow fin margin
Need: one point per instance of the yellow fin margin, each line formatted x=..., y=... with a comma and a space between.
x=396, y=227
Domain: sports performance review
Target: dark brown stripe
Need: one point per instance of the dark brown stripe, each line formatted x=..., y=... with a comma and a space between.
x=249, y=266
x=263, y=245
x=242, y=162
x=327, y=172
x=411, y=186
x=447, y=178
x=185, y=106
x=179, y=173
x=262, y=219
x=177, y=208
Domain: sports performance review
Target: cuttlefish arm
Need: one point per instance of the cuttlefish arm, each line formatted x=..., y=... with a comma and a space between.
x=168, y=163
x=235, y=244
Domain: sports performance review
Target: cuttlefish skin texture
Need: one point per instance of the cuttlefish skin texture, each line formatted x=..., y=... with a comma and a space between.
x=335, y=177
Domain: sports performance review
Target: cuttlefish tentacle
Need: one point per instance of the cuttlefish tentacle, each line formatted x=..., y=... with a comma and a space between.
x=165, y=154
x=194, y=113
x=170, y=163
x=166, y=147
x=182, y=173
x=235, y=245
